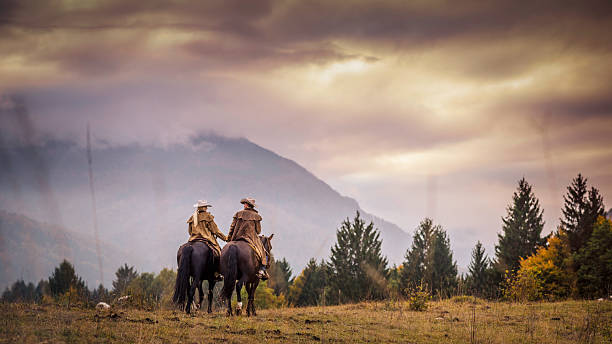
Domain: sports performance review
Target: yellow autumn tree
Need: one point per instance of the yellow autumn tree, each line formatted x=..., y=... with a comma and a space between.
x=546, y=274
x=265, y=297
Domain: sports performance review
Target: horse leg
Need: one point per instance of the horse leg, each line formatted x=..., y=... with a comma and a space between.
x=190, y=293
x=229, y=306
x=196, y=281
x=252, y=297
x=248, y=306
x=211, y=286
x=239, y=298
x=201, y=294
x=229, y=300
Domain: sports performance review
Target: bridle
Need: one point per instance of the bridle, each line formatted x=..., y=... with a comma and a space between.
x=268, y=254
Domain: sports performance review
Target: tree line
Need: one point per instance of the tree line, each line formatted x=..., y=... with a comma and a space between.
x=64, y=286
x=573, y=261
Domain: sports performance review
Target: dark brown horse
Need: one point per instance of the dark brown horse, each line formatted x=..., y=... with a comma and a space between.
x=194, y=260
x=239, y=267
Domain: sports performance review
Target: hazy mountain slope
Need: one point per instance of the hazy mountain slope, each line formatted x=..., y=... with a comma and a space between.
x=30, y=250
x=145, y=194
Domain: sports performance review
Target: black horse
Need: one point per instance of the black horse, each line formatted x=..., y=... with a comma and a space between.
x=239, y=267
x=194, y=260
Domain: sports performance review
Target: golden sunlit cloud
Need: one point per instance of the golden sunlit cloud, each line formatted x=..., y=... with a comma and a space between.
x=327, y=74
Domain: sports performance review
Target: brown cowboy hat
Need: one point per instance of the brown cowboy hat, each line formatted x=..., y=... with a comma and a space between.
x=249, y=201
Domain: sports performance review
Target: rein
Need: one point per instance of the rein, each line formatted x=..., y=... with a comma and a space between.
x=268, y=254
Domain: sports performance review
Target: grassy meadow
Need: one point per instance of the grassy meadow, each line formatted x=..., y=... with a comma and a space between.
x=456, y=320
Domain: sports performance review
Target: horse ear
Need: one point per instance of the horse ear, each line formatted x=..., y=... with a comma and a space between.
x=270, y=237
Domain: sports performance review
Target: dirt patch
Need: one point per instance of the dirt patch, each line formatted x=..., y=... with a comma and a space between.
x=317, y=321
x=246, y=331
x=146, y=320
x=309, y=335
x=275, y=334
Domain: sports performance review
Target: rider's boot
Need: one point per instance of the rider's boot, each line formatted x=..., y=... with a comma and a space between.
x=218, y=276
x=262, y=273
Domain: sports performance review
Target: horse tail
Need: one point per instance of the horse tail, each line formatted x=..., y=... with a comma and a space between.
x=231, y=272
x=182, y=276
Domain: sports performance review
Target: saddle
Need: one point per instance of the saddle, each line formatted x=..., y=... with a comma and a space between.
x=207, y=242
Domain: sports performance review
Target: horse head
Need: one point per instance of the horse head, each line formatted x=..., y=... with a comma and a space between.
x=267, y=244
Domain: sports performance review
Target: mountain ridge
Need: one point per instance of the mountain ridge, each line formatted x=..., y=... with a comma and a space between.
x=30, y=250
x=144, y=195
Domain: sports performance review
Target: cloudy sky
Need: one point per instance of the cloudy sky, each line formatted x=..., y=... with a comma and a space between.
x=414, y=108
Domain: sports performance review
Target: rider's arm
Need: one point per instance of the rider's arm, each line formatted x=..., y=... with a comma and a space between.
x=232, y=227
x=215, y=230
x=190, y=228
x=258, y=227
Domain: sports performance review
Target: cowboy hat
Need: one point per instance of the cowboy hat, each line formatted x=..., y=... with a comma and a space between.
x=202, y=203
x=249, y=201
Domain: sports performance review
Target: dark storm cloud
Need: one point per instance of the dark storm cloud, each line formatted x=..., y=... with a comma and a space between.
x=576, y=109
x=89, y=59
x=231, y=15
x=282, y=32
x=429, y=22
x=257, y=53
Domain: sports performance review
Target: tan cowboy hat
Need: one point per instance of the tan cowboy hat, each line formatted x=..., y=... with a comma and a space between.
x=249, y=201
x=202, y=203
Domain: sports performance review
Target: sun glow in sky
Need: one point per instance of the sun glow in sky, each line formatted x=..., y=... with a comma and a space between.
x=337, y=69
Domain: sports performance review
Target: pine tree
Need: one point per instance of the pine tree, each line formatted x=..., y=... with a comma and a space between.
x=442, y=272
x=280, y=276
x=430, y=260
x=394, y=278
x=100, y=294
x=580, y=211
x=595, y=261
x=65, y=277
x=124, y=276
x=522, y=228
x=42, y=289
x=478, y=276
x=358, y=268
x=308, y=287
x=413, y=271
x=20, y=292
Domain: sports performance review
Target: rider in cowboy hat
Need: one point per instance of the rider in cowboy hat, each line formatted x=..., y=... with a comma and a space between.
x=246, y=226
x=202, y=227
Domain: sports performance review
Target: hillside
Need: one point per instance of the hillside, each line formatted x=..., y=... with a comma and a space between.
x=30, y=250
x=144, y=195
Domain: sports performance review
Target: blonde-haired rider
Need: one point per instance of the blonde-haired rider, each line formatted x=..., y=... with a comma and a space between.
x=202, y=227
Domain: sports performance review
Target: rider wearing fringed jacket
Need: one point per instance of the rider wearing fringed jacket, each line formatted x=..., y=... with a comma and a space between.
x=202, y=227
x=246, y=226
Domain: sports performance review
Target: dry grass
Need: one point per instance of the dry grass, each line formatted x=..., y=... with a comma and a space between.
x=448, y=321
